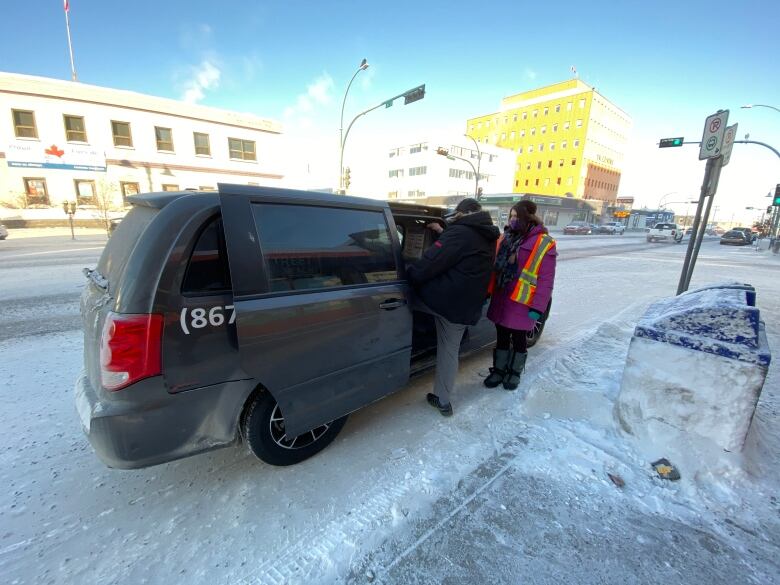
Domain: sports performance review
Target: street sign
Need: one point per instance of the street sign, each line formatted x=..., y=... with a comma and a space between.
x=712, y=139
x=728, y=143
x=667, y=142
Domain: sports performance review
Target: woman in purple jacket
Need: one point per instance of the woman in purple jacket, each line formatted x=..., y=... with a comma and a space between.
x=524, y=273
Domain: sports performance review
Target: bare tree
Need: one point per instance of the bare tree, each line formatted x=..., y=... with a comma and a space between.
x=105, y=202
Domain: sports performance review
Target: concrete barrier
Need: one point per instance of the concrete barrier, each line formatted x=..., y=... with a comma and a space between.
x=697, y=362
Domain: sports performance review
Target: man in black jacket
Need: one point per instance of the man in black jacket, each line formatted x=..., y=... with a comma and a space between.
x=451, y=281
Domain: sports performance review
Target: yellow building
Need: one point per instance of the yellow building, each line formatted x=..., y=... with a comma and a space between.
x=567, y=136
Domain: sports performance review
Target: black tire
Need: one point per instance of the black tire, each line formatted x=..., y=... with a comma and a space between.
x=649, y=240
x=536, y=333
x=264, y=433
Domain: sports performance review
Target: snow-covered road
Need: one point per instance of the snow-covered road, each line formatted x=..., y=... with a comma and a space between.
x=396, y=481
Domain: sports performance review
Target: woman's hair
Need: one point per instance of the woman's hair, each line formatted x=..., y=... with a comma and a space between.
x=526, y=212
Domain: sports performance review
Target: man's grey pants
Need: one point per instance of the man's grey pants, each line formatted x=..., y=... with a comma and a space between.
x=448, y=338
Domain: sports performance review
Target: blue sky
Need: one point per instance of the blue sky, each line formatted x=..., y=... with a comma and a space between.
x=668, y=64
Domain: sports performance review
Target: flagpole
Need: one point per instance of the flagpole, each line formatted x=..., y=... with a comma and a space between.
x=70, y=44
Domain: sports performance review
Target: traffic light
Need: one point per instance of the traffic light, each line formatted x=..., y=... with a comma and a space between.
x=442, y=151
x=415, y=94
x=667, y=142
x=347, y=179
x=776, y=200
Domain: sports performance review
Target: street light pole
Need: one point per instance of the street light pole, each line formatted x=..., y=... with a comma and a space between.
x=445, y=152
x=479, y=164
x=749, y=106
x=363, y=66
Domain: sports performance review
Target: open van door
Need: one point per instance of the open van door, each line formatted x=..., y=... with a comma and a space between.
x=321, y=308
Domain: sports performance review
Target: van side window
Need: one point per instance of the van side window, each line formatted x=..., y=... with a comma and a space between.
x=308, y=247
x=208, y=270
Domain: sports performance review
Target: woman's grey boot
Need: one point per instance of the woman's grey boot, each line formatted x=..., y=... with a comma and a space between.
x=515, y=369
x=498, y=371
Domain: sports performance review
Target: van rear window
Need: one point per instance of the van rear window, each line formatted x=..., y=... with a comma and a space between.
x=208, y=271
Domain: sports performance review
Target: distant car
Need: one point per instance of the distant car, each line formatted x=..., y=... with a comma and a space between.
x=578, y=228
x=595, y=228
x=3, y=232
x=665, y=232
x=689, y=231
x=749, y=234
x=735, y=238
x=612, y=228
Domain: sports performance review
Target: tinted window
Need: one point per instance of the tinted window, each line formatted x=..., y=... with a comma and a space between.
x=208, y=269
x=320, y=247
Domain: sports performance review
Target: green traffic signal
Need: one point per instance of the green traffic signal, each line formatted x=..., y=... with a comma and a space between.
x=776, y=200
x=668, y=142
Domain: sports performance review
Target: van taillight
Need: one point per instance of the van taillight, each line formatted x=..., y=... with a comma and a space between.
x=130, y=349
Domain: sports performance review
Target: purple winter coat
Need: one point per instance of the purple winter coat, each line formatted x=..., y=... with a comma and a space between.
x=511, y=314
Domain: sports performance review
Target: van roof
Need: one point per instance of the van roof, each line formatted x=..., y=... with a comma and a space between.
x=158, y=200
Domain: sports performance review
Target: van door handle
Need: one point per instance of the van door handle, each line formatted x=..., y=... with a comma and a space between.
x=391, y=304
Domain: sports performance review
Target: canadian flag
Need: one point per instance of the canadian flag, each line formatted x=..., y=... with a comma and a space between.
x=67, y=5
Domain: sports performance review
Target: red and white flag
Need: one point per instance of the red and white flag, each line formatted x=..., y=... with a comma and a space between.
x=67, y=5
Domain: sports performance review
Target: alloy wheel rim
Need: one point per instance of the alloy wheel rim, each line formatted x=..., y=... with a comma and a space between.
x=279, y=434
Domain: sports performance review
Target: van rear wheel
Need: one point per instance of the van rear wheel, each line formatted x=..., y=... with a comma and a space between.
x=265, y=434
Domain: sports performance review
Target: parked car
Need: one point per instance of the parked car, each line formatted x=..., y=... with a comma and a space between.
x=735, y=238
x=251, y=314
x=577, y=228
x=612, y=228
x=665, y=232
x=750, y=235
x=3, y=232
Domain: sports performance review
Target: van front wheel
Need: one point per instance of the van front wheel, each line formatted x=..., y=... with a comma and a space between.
x=265, y=434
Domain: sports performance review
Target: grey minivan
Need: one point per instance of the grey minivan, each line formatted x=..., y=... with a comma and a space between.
x=257, y=314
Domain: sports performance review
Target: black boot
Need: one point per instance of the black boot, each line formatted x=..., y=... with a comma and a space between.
x=516, y=367
x=498, y=371
x=433, y=400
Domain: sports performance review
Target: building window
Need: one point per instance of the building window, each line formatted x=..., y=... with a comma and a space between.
x=512, y=135
x=206, y=188
x=541, y=148
x=566, y=125
x=526, y=182
x=555, y=127
x=576, y=143
x=560, y=162
x=242, y=149
x=35, y=189
x=479, y=125
x=538, y=165
x=558, y=181
x=533, y=131
x=517, y=182
x=547, y=182
x=522, y=133
x=525, y=115
x=170, y=187
x=530, y=148
x=74, y=129
x=85, y=191
x=546, y=111
x=503, y=136
x=392, y=194
x=506, y=119
x=544, y=130
x=416, y=193
x=128, y=189
x=549, y=164
x=573, y=161
x=528, y=166
x=557, y=108
x=569, y=181
x=563, y=144
x=122, y=134
x=519, y=150
x=202, y=143
x=396, y=173
x=579, y=123
x=164, y=138
x=24, y=124
x=415, y=171
x=536, y=113
x=514, y=117
x=536, y=182
x=568, y=106
x=552, y=146
x=582, y=102
x=415, y=148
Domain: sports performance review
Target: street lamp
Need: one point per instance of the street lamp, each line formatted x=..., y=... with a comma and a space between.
x=410, y=96
x=479, y=163
x=749, y=106
x=363, y=66
x=445, y=152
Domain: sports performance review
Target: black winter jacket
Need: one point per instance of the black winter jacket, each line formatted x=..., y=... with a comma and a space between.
x=452, y=276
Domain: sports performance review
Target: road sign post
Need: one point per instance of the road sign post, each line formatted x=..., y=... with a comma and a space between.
x=712, y=139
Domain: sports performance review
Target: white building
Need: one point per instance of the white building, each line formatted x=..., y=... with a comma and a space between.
x=416, y=171
x=66, y=141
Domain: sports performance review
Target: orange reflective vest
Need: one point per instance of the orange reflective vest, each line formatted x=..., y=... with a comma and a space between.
x=525, y=288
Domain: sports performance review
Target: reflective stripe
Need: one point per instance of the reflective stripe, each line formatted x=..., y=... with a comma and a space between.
x=525, y=289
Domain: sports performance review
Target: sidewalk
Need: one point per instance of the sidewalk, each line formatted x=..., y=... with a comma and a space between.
x=23, y=233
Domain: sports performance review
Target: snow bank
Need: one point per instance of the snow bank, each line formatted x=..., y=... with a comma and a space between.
x=697, y=363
